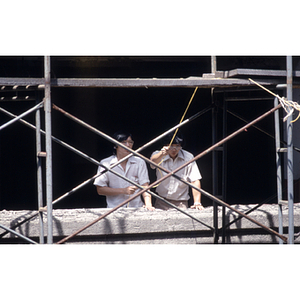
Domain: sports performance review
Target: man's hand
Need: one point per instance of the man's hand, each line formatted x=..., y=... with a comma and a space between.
x=197, y=206
x=164, y=150
x=130, y=190
x=149, y=207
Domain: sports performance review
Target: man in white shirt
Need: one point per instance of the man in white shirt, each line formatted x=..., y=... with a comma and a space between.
x=171, y=189
x=115, y=188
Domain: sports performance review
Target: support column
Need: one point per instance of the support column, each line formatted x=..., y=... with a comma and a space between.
x=214, y=154
x=290, y=175
x=224, y=170
x=213, y=64
x=47, y=107
x=279, y=170
x=39, y=169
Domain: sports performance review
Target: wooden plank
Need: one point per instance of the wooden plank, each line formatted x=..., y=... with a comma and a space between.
x=24, y=81
x=258, y=72
x=135, y=82
x=145, y=83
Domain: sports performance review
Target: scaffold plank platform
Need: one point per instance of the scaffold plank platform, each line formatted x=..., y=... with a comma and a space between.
x=134, y=82
x=139, y=226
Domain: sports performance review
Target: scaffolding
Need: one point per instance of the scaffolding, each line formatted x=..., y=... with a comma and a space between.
x=224, y=81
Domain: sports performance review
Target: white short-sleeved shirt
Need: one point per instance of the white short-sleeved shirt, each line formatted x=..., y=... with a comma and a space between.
x=171, y=188
x=136, y=170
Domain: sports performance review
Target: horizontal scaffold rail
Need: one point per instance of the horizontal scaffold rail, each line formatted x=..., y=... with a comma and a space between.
x=135, y=82
x=259, y=72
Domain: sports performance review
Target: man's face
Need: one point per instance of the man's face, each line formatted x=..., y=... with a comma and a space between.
x=129, y=143
x=174, y=149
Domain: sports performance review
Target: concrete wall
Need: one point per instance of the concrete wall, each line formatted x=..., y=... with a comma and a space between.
x=138, y=226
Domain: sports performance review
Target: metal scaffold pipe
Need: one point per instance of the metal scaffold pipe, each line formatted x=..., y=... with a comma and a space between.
x=49, y=191
x=22, y=115
x=39, y=172
x=193, y=117
x=289, y=129
x=278, y=170
x=18, y=234
x=173, y=173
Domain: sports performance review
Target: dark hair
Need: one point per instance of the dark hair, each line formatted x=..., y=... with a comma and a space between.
x=120, y=136
x=178, y=139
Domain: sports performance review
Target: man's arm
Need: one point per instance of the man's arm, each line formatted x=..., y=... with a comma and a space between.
x=159, y=155
x=197, y=195
x=147, y=198
x=108, y=191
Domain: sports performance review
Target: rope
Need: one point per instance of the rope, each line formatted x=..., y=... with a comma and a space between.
x=184, y=115
x=288, y=105
x=177, y=129
x=181, y=119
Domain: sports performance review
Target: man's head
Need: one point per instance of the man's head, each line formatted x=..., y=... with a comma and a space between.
x=178, y=139
x=124, y=138
x=177, y=143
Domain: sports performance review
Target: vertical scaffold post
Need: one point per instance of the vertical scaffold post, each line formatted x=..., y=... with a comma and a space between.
x=290, y=175
x=47, y=106
x=214, y=155
x=224, y=170
x=279, y=169
x=39, y=169
x=213, y=64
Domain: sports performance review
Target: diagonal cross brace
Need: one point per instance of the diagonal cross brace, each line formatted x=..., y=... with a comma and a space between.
x=106, y=168
x=175, y=171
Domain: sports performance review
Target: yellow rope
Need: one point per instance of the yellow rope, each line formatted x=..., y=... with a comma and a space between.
x=184, y=115
x=287, y=105
x=181, y=119
x=177, y=128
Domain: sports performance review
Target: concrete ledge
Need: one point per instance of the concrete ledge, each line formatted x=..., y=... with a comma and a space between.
x=139, y=226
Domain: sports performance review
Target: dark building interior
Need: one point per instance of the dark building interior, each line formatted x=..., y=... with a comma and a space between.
x=145, y=112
